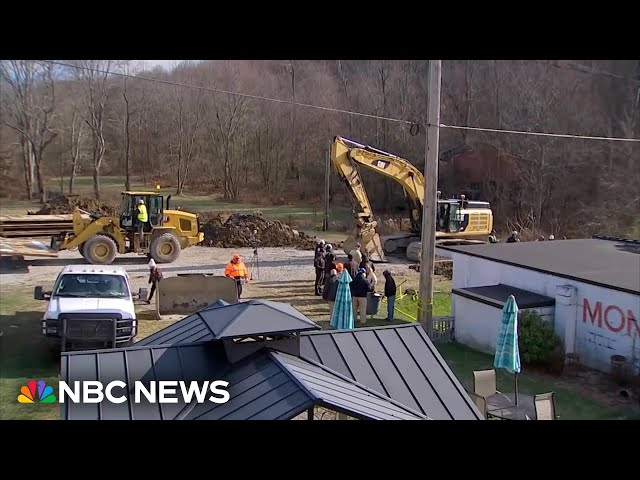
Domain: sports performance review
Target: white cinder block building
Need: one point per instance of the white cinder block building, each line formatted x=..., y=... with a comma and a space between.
x=589, y=289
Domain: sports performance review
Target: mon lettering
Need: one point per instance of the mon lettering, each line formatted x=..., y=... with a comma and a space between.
x=610, y=317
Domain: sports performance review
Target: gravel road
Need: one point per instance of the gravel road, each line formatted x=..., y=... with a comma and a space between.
x=274, y=264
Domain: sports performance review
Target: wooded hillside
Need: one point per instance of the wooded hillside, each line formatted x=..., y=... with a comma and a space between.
x=60, y=121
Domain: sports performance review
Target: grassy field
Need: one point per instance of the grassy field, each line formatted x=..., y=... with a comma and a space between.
x=306, y=216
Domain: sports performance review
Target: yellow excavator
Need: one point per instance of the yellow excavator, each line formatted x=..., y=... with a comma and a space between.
x=459, y=221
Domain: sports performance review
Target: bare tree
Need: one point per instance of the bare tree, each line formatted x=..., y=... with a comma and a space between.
x=30, y=113
x=77, y=133
x=93, y=78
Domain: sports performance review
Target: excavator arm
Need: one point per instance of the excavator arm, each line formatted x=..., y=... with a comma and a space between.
x=345, y=154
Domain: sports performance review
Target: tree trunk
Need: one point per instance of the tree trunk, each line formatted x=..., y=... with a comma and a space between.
x=28, y=172
x=96, y=181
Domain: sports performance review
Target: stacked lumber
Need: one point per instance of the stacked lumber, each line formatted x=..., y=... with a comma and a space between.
x=19, y=247
x=35, y=225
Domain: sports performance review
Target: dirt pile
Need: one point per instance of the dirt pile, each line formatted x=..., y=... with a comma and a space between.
x=443, y=268
x=59, y=204
x=251, y=230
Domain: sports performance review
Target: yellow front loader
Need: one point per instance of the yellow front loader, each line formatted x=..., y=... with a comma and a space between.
x=99, y=239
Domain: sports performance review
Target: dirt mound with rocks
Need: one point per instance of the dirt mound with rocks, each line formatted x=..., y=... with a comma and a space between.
x=252, y=230
x=59, y=204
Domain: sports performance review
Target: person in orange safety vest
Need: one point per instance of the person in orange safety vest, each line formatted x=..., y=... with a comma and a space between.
x=237, y=270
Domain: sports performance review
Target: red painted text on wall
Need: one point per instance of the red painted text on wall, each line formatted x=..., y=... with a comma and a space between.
x=613, y=317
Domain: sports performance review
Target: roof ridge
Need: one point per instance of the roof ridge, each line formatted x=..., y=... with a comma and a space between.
x=348, y=380
x=292, y=375
x=363, y=329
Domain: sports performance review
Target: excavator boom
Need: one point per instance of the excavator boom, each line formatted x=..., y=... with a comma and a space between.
x=458, y=220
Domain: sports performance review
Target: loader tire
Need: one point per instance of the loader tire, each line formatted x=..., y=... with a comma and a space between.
x=81, y=250
x=165, y=248
x=414, y=251
x=100, y=250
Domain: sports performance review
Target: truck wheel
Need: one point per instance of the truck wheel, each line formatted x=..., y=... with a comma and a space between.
x=165, y=248
x=81, y=250
x=414, y=251
x=100, y=250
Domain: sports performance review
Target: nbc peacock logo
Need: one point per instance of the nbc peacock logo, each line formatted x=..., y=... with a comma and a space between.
x=44, y=393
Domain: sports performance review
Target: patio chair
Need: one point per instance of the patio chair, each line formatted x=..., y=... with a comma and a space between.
x=480, y=402
x=545, y=406
x=484, y=383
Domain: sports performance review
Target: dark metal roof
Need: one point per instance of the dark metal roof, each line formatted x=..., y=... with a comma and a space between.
x=186, y=362
x=496, y=296
x=266, y=386
x=215, y=322
x=607, y=263
x=341, y=393
x=399, y=362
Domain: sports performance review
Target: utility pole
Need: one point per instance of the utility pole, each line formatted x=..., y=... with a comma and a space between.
x=327, y=177
x=429, y=210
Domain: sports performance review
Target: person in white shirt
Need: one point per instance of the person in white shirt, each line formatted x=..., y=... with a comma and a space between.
x=356, y=254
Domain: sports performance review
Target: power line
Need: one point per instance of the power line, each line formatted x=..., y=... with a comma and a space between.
x=539, y=134
x=337, y=110
x=238, y=94
x=586, y=70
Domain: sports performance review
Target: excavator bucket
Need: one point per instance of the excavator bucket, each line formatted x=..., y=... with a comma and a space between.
x=369, y=243
x=188, y=293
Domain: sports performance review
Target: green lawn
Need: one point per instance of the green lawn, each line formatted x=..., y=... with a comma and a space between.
x=24, y=355
x=570, y=405
x=308, y=216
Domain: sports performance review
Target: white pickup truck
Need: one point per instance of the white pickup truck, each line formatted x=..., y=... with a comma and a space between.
x=90, y=307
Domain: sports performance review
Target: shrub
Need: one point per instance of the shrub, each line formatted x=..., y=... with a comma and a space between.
x=536, y=339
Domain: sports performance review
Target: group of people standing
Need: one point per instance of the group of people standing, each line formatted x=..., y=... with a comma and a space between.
x=363, y=279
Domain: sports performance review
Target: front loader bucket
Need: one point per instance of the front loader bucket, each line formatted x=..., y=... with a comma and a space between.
x=186, y=294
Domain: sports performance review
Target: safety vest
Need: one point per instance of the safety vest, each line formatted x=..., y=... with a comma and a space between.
x=236, y=270
x=142, y=213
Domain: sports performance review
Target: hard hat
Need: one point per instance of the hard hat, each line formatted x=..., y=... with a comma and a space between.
x=329, y=247
x=514, y=233
x=140, y=201
x=321, y=242
x=361, y=270
x=551, y=237
x=152, y=263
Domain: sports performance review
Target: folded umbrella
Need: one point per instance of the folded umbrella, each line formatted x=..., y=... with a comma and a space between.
x=342, y=317
x=507, y=354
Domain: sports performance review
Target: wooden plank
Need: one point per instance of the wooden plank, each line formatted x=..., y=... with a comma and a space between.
x=36, y=218
x=25, y=247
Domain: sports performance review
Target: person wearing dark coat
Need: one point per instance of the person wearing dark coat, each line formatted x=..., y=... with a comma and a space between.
x=319, y=264
x=390, y=293
x=329, y=264
x=331, y=290
x=359, y=291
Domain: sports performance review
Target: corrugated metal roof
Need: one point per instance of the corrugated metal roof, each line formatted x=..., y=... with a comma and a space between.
x=340, y=393
x=399, y=362
x=266, y=386
x=198, y=362
x=215, y=322
x=188, y=330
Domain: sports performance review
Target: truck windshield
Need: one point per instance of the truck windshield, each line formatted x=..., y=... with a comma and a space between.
x=91, y=285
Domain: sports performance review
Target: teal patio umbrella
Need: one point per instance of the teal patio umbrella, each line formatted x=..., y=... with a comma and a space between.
x=342, y=317
x=507, y=352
